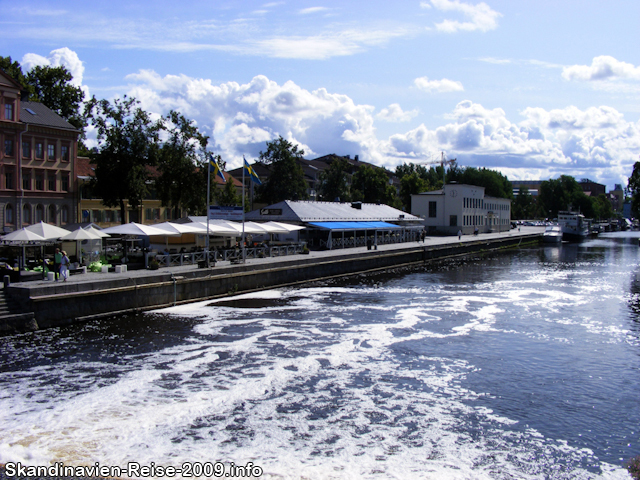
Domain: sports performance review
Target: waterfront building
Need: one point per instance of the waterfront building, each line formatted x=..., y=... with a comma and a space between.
x=38, y=151
x=342, y=224
x=461, y=208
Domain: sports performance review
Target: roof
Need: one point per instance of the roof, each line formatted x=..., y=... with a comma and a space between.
x=35, y=113
x=301, y=211
x=350, y=226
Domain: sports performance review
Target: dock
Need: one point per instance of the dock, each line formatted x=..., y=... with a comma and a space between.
x=44, y=304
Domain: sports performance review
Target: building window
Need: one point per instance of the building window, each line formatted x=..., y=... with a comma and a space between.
x=51, y=151
x=39, y=214
x=8, y=180
x=26, y=149
x=51, y=180
x=26, y=180
x=8, y=111
x=39, y=150
x=52, y=214
x=8, y=147
x=453, y=220
x=65, y=214
x=26, y=214
x=39, y=181
x=64, y=153
x=432, y=209
x=65, y=182
x=8, y=214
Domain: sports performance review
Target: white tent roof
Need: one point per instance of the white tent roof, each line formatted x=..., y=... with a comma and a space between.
x=139, y=229
x=216, y=229
x=285, y=226
x=181, y=227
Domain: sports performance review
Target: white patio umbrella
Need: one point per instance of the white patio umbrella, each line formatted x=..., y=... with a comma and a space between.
x=97, y=232
x=80, y=235
x=22, y=236
x=47, y=231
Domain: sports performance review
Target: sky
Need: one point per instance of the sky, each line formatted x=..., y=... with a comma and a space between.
x=533, y=89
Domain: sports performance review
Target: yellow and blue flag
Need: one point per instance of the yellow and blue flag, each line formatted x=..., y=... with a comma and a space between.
x=214, y=168
x=251, y=172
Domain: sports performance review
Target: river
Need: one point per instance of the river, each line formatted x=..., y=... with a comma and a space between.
x=523, y=364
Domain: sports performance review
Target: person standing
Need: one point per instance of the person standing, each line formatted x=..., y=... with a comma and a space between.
x=64, y=266
x=57, y=260
x=459, y=234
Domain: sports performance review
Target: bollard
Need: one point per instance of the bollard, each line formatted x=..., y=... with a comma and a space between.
x=6, y=280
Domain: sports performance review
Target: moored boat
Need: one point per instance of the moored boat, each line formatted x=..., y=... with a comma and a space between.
x=574, y=226
x=552, y=234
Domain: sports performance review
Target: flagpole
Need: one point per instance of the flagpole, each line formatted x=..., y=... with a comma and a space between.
x=208, y=209
x=244, y=252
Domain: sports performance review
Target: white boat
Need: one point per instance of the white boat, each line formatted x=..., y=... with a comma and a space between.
x=552, y=234
x=574, y=226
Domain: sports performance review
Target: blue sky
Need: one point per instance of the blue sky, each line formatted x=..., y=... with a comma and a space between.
x=534, y=89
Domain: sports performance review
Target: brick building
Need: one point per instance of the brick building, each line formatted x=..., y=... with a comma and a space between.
x=37, y=162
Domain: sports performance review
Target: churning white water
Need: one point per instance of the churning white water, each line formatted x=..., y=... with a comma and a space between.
x=521, y=365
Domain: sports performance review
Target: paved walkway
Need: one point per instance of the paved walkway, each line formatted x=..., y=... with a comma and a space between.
x=429, y=241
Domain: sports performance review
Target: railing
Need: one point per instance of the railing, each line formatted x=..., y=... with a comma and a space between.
x=381, y=239
x=229, y=255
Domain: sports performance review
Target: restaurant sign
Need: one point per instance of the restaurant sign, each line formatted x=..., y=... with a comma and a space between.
x=216, y=212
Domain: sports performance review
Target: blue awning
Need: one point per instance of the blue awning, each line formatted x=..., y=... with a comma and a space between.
x=355, y=226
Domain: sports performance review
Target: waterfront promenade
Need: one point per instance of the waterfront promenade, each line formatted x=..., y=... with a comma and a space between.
x=91, y=294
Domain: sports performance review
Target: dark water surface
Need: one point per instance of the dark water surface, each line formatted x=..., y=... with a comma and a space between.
x=524, y=364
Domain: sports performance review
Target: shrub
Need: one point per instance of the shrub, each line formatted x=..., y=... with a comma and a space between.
x=633, y=466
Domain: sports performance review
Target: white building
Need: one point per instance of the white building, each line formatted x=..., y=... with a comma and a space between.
x=459, y=207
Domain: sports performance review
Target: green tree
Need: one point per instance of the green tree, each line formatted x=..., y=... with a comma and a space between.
x=633, y=189
x=180, y=185
x=52, y=86
x=561, y=194
x=495, y=184
x=371, y=185
x=411, y=184
x=334, y=181
x=524, y=205
x=228, y=196
x=286, y=177
x=127, y=145
x=14, y=70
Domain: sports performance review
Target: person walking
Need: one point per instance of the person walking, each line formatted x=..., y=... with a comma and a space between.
x=64, y=266
x=459, y=234
x=57, y=259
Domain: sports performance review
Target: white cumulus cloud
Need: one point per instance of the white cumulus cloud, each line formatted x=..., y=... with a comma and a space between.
x=603, y=67
x=438, y=86
x=394, y=113
x=60, y=57
x=478, y=17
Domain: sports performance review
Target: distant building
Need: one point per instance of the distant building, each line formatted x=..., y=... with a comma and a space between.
x=91, y=209
x=342, y=224
x=312, y=170
x=38, y=151
x=532, y=186
x=591, y=188
x=459, y=207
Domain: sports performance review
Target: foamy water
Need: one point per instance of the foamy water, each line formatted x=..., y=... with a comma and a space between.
x=518, y=366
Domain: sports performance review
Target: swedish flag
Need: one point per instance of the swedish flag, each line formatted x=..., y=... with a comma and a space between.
x=252, y=173
x=215, y=168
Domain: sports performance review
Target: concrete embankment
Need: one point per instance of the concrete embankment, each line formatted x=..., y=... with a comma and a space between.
x=93, y=295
